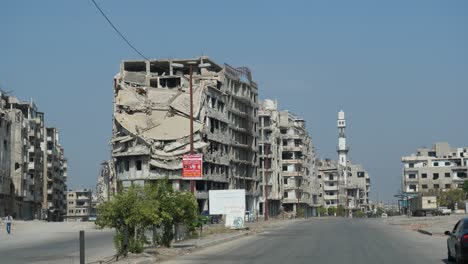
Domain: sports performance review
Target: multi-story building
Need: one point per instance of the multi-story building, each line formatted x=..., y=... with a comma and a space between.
x=22, y=159
x=438, y=168
x=6, y=191
x=341, y=182
x=287, y=161
x=270, y=158
x=79, y=205
x=55, y=169
x=151, y=131
x=297, y=164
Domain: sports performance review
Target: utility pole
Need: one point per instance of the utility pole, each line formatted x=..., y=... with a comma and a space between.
x=192, y=183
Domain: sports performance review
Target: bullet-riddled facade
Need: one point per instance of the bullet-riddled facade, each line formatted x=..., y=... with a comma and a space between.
x=23, y=163
x=151, y=125
x=287, y=162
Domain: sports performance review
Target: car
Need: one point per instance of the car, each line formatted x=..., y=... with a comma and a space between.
x=457, y=242
x=444, y=211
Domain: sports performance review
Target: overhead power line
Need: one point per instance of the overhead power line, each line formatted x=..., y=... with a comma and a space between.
x=118, y=32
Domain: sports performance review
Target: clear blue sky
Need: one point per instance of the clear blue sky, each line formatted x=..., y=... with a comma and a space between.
x=399, y=69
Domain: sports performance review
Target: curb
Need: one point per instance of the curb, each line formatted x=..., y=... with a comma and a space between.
x=425, y=232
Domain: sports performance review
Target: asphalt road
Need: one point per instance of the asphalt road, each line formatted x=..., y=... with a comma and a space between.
x=328, y=241
x=63, y=248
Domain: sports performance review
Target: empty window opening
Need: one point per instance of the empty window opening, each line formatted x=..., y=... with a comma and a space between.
x=127, y=165
x=138, y=165
x=154, y=83
x=135, y=66
x=171, y=82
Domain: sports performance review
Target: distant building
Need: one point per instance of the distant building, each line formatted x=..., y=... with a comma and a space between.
x=80, y=205
x=438, y=168
x=287, y=161
x=341, y=182
x=24, y=163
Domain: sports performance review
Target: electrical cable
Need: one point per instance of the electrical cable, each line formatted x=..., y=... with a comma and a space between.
x=118, y=32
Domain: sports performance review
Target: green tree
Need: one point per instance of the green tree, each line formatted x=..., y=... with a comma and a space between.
x=465, y=187
x=451, y=197
x=331, y=211
x=359, y=214
x=340, y=210
x=136, y=209
x=130, y=212
x=322, y=210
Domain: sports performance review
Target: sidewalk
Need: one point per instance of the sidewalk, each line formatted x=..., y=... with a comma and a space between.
x=431, y=225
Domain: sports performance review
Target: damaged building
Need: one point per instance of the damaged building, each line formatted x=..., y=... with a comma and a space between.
x=151, y=128
x=106, y=185
x=287, y=162
x=341, y=182
x=23, y=162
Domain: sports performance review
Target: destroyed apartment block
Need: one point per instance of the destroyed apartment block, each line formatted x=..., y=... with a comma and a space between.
x=151, y=130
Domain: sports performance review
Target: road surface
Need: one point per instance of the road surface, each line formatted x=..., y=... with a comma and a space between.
x=53, y=243
x=334, y=240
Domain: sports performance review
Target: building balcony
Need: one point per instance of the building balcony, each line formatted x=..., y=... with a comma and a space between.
x=330, y=197
x=291, y=173
x=292, y=200
x=330, y=188
x=411, y=180
x=31, y=166
x=292, y=136
x=292, y=187
x=292, y=148
x=292, y=161
x=49, y=152
x=49, y=139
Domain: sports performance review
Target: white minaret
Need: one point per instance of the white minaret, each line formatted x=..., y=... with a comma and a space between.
x=342, y=148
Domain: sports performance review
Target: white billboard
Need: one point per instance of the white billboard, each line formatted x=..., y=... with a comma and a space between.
x=225, y=201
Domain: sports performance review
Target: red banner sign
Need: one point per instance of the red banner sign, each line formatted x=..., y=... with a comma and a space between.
x=192, y=167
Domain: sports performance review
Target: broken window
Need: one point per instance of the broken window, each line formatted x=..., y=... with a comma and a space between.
x=135, y=66
x=154, y=83
x=220, y=106
x=213, y=102
x=138, y=165
x=127, y=165
x=171, y=82
x=17, y=166
x=435, y=176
